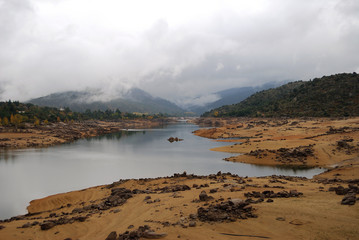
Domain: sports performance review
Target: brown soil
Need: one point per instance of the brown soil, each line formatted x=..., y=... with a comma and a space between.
x=316, y=214
x=313, y=142
x=57, y=133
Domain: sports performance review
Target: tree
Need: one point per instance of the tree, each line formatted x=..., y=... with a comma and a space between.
x=37, y=121
x=5, y=121
x=12, y=119
x=17, y=120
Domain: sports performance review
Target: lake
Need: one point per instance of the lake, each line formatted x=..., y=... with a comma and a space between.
x=35, y=173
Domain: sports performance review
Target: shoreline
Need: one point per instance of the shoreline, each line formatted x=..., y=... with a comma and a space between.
x=222, y=205
x=316, y=142
x=59, y=133
x=188, y=206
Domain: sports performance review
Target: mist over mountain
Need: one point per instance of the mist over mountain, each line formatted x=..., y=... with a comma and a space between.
x=132, y=100
x=231, y=96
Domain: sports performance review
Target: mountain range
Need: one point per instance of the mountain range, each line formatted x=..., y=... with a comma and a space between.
x=232, y=96
x=133, y=100
x=137, y=100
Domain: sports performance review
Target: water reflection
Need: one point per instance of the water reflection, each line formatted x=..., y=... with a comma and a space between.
x=115, y=136
x=36, y=173
x=7, y=155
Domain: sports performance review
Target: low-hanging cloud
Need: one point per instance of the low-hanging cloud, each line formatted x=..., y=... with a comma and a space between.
x=177, y=52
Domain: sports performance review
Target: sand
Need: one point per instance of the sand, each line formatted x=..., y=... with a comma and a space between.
x=268, y=135
x=316, y=214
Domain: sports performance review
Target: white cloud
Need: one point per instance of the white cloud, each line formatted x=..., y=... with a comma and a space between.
x=219, y=67
x=174, y=49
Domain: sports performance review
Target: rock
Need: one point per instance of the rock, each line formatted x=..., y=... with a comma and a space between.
x=80, y=218
x=47, y=225
x=112, y=236
x=153, y=235
x=175, y=188
x=280, y=219
x=225, y=211
x=236, y=201
x=26, y=225
x=270, y=200
x=204, y=197
x=192, y=224
x=341, y=190
x=214, y=190
x=2, y=227
x=141, y=232
x=174, y=139
x=349, y=199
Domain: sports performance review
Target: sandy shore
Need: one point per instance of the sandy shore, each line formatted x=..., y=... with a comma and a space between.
x=221, y=206
x=316, y=142
x=298, y=208
x=57, y=133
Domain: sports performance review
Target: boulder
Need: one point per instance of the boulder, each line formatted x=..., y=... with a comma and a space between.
x=47, y=225
x=204, y=197
x=112, y=236
x=349, y=199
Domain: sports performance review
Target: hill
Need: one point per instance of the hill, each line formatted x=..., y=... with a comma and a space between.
x=134, y=100
x=330, y=96
x=231, y=96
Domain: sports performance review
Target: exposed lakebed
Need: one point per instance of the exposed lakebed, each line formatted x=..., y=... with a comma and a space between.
x=35, y=173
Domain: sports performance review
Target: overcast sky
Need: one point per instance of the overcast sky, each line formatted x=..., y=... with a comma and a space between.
x=173, y=49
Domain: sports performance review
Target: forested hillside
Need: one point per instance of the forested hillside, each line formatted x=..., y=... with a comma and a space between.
x=17, y=113
x=330, y=96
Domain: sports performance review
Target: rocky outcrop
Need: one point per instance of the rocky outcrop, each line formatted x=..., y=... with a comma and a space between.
x=141, y=232
x=226, y=211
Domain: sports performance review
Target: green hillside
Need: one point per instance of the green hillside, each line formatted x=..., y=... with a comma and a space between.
x=17, y=114
x=330, y=96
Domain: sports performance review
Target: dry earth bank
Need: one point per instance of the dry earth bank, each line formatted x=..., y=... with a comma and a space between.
x=300, y=142
x=218, y=206
x=57, y=133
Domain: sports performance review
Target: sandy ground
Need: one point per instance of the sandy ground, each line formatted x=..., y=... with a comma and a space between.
x=57, y=133
x=317, y=214
x=315, y=142
x=301, y=208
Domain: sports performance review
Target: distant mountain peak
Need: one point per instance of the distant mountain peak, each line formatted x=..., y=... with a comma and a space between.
x=131, y=100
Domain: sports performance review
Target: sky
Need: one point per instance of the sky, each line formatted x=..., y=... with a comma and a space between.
x=179, y=50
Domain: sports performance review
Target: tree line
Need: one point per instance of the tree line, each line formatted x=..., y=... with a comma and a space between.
x=15, y=113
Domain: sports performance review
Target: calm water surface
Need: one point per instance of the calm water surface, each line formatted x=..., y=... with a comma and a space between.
x=35, y=173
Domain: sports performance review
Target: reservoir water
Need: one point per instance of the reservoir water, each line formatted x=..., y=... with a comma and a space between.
x=35, y=173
